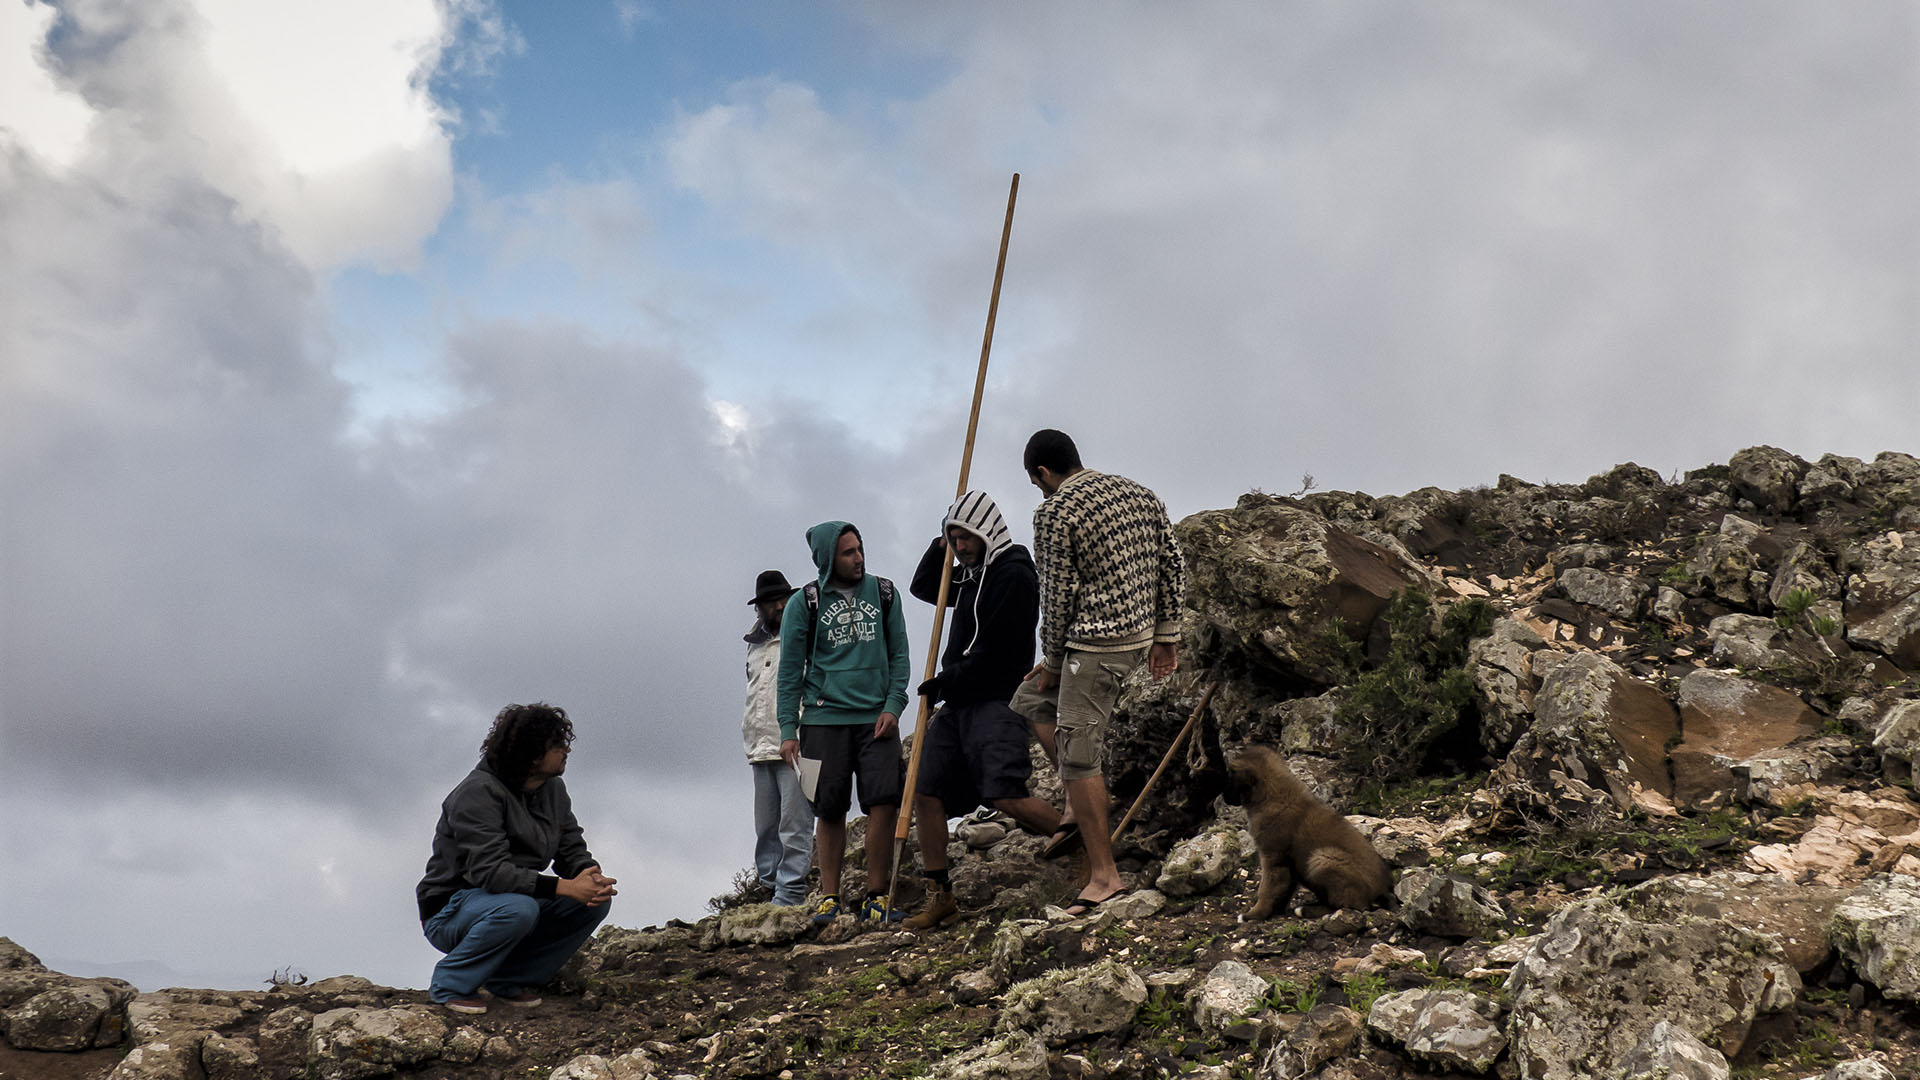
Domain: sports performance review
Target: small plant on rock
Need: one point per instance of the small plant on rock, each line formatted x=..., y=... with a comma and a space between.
x=1420, y=694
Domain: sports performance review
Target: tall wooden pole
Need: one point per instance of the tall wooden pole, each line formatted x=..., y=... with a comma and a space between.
x=905, y=824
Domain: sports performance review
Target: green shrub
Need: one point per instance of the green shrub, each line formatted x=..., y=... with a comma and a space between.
x=1420, y=693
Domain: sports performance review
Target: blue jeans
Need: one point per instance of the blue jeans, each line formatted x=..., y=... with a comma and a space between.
x=783, y=832
x=504, y=941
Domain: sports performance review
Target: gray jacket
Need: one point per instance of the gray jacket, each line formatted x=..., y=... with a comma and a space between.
x=499, y=840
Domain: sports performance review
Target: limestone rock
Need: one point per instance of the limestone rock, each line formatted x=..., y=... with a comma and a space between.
x=1269, y=576
x=1202, y=862
x=1071, y=1004
x=1767, y=477
x=15, y=958
x=1859, y=1069
x=1448, y=906
x=1748, y=641
x=1323, y=1034
x=346, y=1044
x=1226, y=1000
x=1598, y=741
x=161, y=1061
x=1795, y=916
x=283, y=1036
x=1670, y=1052
x=1877, y=930
x=1616, y=594
x=1502, y=668
x=1592, y=986
x=1790, y=774
x=230, y=1058
x=759, y=924
x=1725, y=720
x=1854, y=834
x=1883, y=597
x=632, y=1065
x=1453, y=1030
x=1015, y=1055
x=1731, y=564
x=1896, y=736
x=65, y=1013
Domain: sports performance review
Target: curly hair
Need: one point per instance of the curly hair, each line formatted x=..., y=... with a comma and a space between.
x=520, y=737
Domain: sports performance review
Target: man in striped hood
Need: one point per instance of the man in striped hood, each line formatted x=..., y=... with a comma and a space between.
x=976, y=749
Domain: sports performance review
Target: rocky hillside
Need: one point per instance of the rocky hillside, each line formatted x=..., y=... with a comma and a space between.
x=1639, y=751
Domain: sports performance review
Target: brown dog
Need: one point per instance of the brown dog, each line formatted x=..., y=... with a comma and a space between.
x=1301, y=838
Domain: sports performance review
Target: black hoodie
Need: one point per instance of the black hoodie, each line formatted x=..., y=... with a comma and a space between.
x=996, y=607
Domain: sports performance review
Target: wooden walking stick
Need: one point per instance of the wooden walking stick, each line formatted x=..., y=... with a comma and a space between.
x=946, y=570
x=1141, y=799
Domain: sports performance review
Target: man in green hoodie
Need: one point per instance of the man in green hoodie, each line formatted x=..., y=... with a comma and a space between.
x=843, y=684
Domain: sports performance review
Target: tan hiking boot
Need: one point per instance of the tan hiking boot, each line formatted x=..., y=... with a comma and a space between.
x=939, y=909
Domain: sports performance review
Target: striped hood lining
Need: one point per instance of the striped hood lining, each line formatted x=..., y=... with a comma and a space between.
x=976, y=513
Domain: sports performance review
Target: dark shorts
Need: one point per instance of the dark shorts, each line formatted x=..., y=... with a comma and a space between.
x=848, y=750
x=975, y=754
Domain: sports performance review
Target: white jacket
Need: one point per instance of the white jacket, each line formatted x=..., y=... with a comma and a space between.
x=760, y=729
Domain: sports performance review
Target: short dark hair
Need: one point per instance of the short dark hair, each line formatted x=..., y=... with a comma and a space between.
x=520, y=737
x=1053, y=449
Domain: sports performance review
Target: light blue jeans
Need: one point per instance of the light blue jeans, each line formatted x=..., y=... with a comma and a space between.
x=783, y=832
x=504, y=941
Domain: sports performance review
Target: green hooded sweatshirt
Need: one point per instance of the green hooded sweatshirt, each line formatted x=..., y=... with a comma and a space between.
x=857, y=667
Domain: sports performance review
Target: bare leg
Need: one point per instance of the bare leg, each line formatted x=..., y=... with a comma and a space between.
x=880, y=822
x=931, y=830
x=1037, y=816
x=830, y=848
x=1087, y=799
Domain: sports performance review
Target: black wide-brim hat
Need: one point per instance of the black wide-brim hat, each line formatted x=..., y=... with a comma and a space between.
x=770, y=585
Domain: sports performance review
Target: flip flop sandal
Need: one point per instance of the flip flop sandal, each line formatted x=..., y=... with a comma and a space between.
x=1065, y=839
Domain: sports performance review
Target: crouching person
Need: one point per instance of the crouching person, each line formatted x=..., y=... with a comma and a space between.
x=506, y=926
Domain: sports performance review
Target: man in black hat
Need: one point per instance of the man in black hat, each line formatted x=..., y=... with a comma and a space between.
x=782, y=820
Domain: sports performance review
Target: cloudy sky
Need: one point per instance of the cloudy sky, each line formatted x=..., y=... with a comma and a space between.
x=366, y=365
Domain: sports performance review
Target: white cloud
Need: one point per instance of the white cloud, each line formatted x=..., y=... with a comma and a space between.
x=37, y=113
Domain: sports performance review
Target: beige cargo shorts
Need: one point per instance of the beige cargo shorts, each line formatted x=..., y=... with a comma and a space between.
x=1079, y=706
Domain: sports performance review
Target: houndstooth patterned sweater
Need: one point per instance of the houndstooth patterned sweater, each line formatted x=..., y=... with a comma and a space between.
x=1111, y=576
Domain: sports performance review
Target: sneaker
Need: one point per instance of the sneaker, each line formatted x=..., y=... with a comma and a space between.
x=471, y=1006
x=828, y=911
x=939, y=910
x=876, y=909
x=524, y=998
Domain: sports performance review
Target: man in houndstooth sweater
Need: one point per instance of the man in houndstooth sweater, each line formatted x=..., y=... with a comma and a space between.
x=1111, y=584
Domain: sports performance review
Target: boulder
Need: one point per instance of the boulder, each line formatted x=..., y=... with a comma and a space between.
x=168, y=1060
x=1767, y=477
x=227, y=1058
x=1749, y=641
x=346, y=1044
x=1268, y=578
x=1877, y=930
x=1616, y=594
x=1227, y=999
x=1791, y=774
x=1896, y=736
x=1854, y=834
x=1883, y=597
x=1859, y=1069
x=1071, y=1004
x=632, y=1065
x=1598, y=742
x=1501, y=665
x=57, y=1012
x=1323, y=1034
x=759, y=924
x=1198, y=864
x=1592, y=986
x=1014, y=1055
x=1725, y=719
x=1450, y=1030
x=1795, y=916
x=1670, y=1052
x=1730, y=565
x=1448, y=906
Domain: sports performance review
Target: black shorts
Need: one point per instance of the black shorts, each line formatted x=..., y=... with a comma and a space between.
x=975, y=754
x=847, y=750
